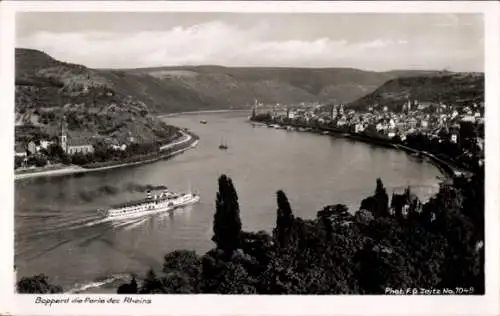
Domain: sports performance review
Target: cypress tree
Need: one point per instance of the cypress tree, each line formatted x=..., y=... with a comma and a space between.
x=382, y=199
x=227, y=223
x=284, y=219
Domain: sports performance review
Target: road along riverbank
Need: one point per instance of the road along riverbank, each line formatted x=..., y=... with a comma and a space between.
x=187, y=141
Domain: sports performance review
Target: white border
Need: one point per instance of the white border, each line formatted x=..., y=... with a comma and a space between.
x=262, y=305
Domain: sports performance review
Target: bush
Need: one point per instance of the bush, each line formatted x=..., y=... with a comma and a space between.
x=18, y=161
x=37, y=284
x=37, y=160
x=81, y=159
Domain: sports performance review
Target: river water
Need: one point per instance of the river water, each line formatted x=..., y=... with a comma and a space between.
x=58, y=233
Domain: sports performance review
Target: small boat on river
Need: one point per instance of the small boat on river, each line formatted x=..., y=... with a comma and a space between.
x=223, y=146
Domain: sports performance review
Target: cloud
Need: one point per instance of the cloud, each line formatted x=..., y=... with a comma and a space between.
x=378, y=43
x=223, y=44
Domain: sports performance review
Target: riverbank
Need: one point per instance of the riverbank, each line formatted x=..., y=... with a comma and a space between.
x=74, y=169
x=188, y=141
x=447, y=168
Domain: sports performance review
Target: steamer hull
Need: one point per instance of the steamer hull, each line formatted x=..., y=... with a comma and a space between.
x=165, y=202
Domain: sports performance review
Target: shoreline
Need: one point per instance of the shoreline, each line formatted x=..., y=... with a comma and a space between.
x=73, y=169
x=448, y=169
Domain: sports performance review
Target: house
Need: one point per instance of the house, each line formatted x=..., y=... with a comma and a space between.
x=45, y=144
x=74, y=144
x=20, y=150
x=413, y=122
x=78, y=145
x=423, y=105
x=468, y=118
x=32, y=148
x=358, y=128
x=119, y=147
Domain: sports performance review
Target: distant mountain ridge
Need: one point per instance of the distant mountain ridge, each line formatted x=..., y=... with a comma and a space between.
x=228, y=87
x=187, y=88
x=44, y=82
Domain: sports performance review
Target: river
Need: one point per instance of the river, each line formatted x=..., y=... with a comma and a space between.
x=58, y=233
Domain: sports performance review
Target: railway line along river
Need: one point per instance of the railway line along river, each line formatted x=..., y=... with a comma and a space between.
x=59, y=233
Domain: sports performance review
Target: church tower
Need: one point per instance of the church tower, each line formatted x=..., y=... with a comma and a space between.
x=63, y=138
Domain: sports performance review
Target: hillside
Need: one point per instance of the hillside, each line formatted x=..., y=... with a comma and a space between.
x=449, y=88
x=223, y=87
x=46, y=90
x=43, y=82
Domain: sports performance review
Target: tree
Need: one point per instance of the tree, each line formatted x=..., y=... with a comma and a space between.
x=178, y=282
x=37, y=160
x=382, y=199
x=18, y=162
x=369, y=204
x=55, y=151
x=284, y=220
x=333, y=214
x=185, y=262
x=151, y=284
x=128, y=288
x=81, y=158
x=397, y=203
x=227, y=223
x=37, y=284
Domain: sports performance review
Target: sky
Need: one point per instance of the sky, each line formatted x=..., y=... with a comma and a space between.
x=371, y=41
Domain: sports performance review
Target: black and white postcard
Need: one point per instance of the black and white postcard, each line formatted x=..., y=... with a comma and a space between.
x=271, y=158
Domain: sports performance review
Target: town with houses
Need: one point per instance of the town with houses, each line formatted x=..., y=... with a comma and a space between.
x=434, y=120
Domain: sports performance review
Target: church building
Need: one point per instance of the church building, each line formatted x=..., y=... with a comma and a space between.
x=72, y=145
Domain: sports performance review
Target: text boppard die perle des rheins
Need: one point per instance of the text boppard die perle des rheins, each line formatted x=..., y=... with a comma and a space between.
x=91, y=300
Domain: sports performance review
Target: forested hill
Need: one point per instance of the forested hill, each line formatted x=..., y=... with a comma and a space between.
x=449, y=88
x=226, y=87
x=48, y=90
x=186, y=88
